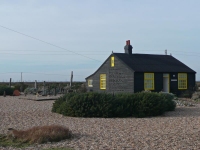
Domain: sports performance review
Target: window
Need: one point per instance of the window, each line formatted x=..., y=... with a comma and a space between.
x=90, y=83
x=182, y=80
x=103, y=81
x=148, y=81
x=112, y=61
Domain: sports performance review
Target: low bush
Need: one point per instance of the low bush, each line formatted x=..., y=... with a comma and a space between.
x=20, y=86
x=40, y=134
x=30, y=91
x=108, y=105
x=169, y=100
x=7, y=89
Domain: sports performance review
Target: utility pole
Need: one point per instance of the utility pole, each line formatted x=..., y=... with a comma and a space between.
x=21, y=76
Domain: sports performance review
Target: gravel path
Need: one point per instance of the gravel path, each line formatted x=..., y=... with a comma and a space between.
x=174, y=130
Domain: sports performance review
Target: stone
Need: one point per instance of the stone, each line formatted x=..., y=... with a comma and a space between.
x=16, y=93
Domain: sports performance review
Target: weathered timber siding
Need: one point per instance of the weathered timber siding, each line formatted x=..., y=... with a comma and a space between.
x=139, y=82
x=191, y=80
x=158, y=82
x=118, y=78
x=174, y=84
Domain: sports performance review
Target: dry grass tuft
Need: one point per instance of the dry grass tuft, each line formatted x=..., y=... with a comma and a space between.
x=40, y=134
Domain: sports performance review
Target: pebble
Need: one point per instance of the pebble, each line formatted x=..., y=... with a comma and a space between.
x=179, y=129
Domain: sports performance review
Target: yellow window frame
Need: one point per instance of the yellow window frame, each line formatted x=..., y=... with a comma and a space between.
x=90, y=83
x=112, y=61
x=148, y=81
x=182, y=81
x=102, y=81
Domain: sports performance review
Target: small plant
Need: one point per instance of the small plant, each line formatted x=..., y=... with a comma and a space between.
x=6, y=142
x=187, y=93
x=40, y=134
x=30, y=91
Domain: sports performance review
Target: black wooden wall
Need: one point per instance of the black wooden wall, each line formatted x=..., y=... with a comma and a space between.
x=174, y=84
x=158, y=82
x=139, y=82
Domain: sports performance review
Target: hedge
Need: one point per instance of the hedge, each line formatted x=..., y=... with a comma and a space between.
x=108, y=105
x=7, y=89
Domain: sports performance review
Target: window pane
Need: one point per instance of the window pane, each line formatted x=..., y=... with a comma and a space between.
x=102, y=81
x=90, y=83
x=112, y=61
x=149, y=81
x=182, y=81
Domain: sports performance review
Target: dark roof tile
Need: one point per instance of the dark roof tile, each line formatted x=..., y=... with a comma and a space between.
x=153, y=63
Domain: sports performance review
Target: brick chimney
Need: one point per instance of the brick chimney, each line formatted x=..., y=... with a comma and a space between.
x=128, y=48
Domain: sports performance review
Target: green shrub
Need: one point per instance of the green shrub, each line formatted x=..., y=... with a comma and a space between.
x=109, y=105
x=170, y=104
x=20, y=86
x=7, y=89
x=30, y=91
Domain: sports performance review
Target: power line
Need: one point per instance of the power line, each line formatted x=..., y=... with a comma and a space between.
x=37, y=73
x=67, y=49
x=45, y=54
x=74, y=54
x=47, y=43
x=30, y=50
x=33, y=50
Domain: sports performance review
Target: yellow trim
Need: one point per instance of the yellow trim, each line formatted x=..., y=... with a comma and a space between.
x=90, y=83
x=112, y=61
x=182, y=81
x=102, y=81
x=148, y=81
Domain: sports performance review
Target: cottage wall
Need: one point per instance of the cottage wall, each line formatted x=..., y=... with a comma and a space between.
x=118, y=78
x=174, y=84
x=139, y=82
x=158, y=82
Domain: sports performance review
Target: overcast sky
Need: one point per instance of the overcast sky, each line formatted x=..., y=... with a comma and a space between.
x=78, y=35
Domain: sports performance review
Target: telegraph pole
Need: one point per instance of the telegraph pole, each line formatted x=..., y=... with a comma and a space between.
x=21, y=76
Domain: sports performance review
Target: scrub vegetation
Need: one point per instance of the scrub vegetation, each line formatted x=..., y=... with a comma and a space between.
x=106, y=105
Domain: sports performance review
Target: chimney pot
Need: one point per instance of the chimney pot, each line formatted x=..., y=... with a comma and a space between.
x=128, y=48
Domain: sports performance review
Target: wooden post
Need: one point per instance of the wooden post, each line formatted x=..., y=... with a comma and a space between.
x=71, y=79
x=59, y=88
x=55, y=91
x=44, y=88
x=10, y=82
x=36, y=84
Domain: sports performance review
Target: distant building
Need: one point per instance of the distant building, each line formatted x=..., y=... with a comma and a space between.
x=127, y=72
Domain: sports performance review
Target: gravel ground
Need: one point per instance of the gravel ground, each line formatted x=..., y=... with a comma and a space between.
x=179, y=129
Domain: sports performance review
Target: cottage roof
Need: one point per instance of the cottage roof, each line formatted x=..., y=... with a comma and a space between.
x=150, y=63
x=153, y=63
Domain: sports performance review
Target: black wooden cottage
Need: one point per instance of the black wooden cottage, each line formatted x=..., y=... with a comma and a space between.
x=127, y=72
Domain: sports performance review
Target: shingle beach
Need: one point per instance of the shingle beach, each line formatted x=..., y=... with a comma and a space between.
x=179, y=129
